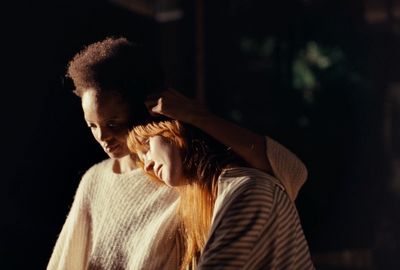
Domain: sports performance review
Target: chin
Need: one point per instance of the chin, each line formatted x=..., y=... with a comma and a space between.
x=169, y=182
x=174, y=182
x=116, y=155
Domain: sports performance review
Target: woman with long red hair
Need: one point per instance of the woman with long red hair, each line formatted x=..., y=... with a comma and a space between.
x=230, y=216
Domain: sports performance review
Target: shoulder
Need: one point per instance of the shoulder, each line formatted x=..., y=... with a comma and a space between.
x=91, y=176
x=242, y=178
x=244, y=195
x=246, y=188
x=254, y=192
x=101, y=166
x=100, y=169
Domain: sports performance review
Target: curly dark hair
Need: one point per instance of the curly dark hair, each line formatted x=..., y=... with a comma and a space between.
x=115, y=64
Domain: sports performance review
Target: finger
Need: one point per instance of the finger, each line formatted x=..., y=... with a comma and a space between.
x=157, y=109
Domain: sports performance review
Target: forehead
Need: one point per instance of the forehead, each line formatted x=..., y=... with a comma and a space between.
x=160, y=143
x=103, y=105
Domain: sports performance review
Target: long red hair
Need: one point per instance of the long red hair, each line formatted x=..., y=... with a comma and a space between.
x=203, y=159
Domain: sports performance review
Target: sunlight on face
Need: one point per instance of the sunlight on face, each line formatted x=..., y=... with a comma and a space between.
x=107, y=117
x=163, y=159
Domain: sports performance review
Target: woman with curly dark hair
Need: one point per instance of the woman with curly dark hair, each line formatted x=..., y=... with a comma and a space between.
x=119, y=219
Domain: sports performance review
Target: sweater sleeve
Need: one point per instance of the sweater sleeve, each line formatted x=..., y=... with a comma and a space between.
x=286, y=167
x=73, y=245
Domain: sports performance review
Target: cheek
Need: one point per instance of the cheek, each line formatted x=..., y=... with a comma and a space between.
x=176, y=177
x=176, y=164
x=94, y=133
x=121, y=136
x=122, y=140
x=178, y=171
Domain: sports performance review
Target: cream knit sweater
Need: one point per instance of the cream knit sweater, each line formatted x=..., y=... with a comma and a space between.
x=125, y=221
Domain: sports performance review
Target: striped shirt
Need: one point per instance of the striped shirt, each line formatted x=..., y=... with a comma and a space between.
x=255, y=225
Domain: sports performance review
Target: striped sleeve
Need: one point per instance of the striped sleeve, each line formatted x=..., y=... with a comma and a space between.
x=257, y=228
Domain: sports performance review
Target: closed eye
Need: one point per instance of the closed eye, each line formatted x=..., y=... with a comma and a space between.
x=113, y=125
x=144, y=147
x=116, y=125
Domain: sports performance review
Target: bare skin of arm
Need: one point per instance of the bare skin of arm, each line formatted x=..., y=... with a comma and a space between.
x=247, y=144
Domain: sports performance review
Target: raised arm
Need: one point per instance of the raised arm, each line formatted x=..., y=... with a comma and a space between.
x=258, y=151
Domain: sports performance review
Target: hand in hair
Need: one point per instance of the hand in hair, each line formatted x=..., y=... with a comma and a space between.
x=247, y=144
x=174, y=105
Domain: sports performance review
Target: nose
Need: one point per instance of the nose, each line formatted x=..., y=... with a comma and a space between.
x=103, y=134
x=148, y=165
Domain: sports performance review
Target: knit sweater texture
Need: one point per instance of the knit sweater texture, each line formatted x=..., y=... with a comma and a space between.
x=126, y=221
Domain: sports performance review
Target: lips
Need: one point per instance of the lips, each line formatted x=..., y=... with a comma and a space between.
x=111, y=148
x=158, y=171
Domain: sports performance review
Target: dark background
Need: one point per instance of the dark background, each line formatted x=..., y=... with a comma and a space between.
x=321, y=77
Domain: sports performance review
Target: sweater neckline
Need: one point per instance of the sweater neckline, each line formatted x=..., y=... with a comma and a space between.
x=110, y=166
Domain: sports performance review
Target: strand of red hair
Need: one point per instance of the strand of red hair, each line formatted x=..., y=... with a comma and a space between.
x=196, y=198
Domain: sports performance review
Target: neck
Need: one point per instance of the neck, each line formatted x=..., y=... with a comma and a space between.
x=125, y=164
